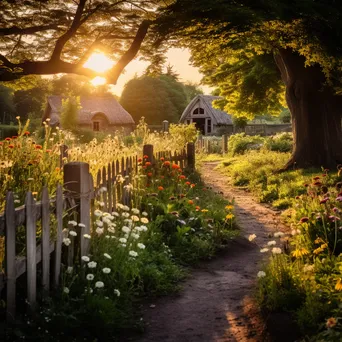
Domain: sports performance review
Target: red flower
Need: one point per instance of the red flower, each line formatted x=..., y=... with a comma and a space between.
x=27, y=133
x=192, y=185
x=160, y=188
x=306, y=185
x=8, y=139
x=139, y=160
x=149, y=174
x=11, y=146
x=324, y=175
x=48, y=151
x=181, y=177
x=38, y=147
x=316, y=178
x=317, y=183
x=191, y=202
x=324, y=200
x=175, y=166
x=187, y=183
x=167, y=163
x=162, y=177
x=197, y=207
x=145, y=156
x=162, y=159
x=304, y=219
x=148, y=164
x=14, y=137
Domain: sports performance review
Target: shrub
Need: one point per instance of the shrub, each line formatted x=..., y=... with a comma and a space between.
x=240, y=143
x=281, y=142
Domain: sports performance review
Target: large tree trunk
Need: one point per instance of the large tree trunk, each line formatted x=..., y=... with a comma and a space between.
x=316, y=113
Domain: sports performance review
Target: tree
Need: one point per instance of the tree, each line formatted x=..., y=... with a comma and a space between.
x=69, y=112
x=259, y=51
x=155, y=98
x=50, y=37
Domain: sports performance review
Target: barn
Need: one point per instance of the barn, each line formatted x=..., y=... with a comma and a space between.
x=100, y=114
x=208, y=120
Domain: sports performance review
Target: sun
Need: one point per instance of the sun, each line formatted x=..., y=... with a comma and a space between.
x=99, y=62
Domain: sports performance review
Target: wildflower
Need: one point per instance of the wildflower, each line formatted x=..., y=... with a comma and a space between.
x=166, y=163
x=27, y=133
x=160, y=188
x=316, y=178
x=141, y=245
x=117, y=292
x=148, y=163
x=204, y=210
x=192, y=185
x=298, y=253
x=251, y=237
x=135, y=211
x=139, y=160
x=66, y=290
x=318, y=250
x=145, y=156
x=86, y=236
x=99, y=284
x=278, y=234
x=135, y=218
x=101, y=204
x=10, y=146
x=229, y=216
x=125, y=229
x=72, y=233
x=271, y=243
x=92, y=264
x=38, y=147
x=338, y=286
x=331, y=322
x=144, y=213
x=324, y=200
x=304, y=219
x=187, y=183
x=135, y=236
x=144, y=220
x=85, y=258
x=276, y=250
x=69, y=269
x=106, y=270
x=175, y=166
x=181, y=177
x=90, y=276
x=72, y=223
x=229, y=207
x=123, y=240
x=261, y=274
x=149, y=174
x=143, y=228
x=339, y=198
x=264, y=250
x=318, y=183
x=98, y=213
x=191, y=202
x=133, y=254
x=8, y=139
x=308, y=268
x=295, y=232
x=66, y=241
x=197, y=208
x=99, y=231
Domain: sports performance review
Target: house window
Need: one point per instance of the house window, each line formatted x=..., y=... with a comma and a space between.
x=209, y=126
x=198, y=111
x=96, y=126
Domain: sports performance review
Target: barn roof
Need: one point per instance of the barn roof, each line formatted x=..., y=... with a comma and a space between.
x=205, y=101
x=90, y=106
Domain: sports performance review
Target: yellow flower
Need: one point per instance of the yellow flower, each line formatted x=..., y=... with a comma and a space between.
x=331, y=322
x=229, y=207
x=298, y=253
x=338, y=286
x=324, y=246
x=318, y=240
x=229, y=216
x=204, y=210
x=318, y=250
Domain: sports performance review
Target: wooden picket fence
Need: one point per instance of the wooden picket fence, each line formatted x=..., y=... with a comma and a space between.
x=213, y=144
x=72, y=202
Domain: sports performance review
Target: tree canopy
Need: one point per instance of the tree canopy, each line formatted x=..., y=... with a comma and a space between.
x=157, y=98
x=49, y=37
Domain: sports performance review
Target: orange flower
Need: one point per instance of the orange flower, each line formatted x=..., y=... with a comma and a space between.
x=48, y=151
x=160, y=188
x=145, y=156
x=8, y=139
x=187, y=183
x=197, y=208
x=192, y=185
x=175, y=166
x=58, y=169
x=148, y=164
x=181, y=177
x=27, y=133
x=1, y=143
x=167, y=163
x=11, y=146
x=139, y=160
x=149, y=174
x=38, y=147
x=331, y=322
x=144, y=167
x=162, y=159
x=191, y=202
x=14, y=137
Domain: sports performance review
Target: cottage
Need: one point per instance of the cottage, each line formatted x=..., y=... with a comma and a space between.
x=208, y=120
x=103, y=114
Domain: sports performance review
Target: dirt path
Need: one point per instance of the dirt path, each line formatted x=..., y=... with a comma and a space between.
x=216, y=303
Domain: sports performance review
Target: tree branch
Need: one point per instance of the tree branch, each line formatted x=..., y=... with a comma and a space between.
x=63, y=39
x=15, y=30
x=129, y=55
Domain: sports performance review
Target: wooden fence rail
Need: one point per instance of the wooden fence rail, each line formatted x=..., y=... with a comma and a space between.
x=44, y=253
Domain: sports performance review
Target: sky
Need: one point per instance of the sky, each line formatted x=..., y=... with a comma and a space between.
x=178, y=58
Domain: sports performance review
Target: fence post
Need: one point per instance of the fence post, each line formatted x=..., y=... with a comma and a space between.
x=148, y=151
x=77, y=181
x=190, y=154
x=165, y=126
x=224, y=143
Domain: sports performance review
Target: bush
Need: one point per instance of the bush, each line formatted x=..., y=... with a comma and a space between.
x=241, y=143
x=7, y=131
x=282, y=142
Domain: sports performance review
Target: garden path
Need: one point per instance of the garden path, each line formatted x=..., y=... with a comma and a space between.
x=216, y=303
